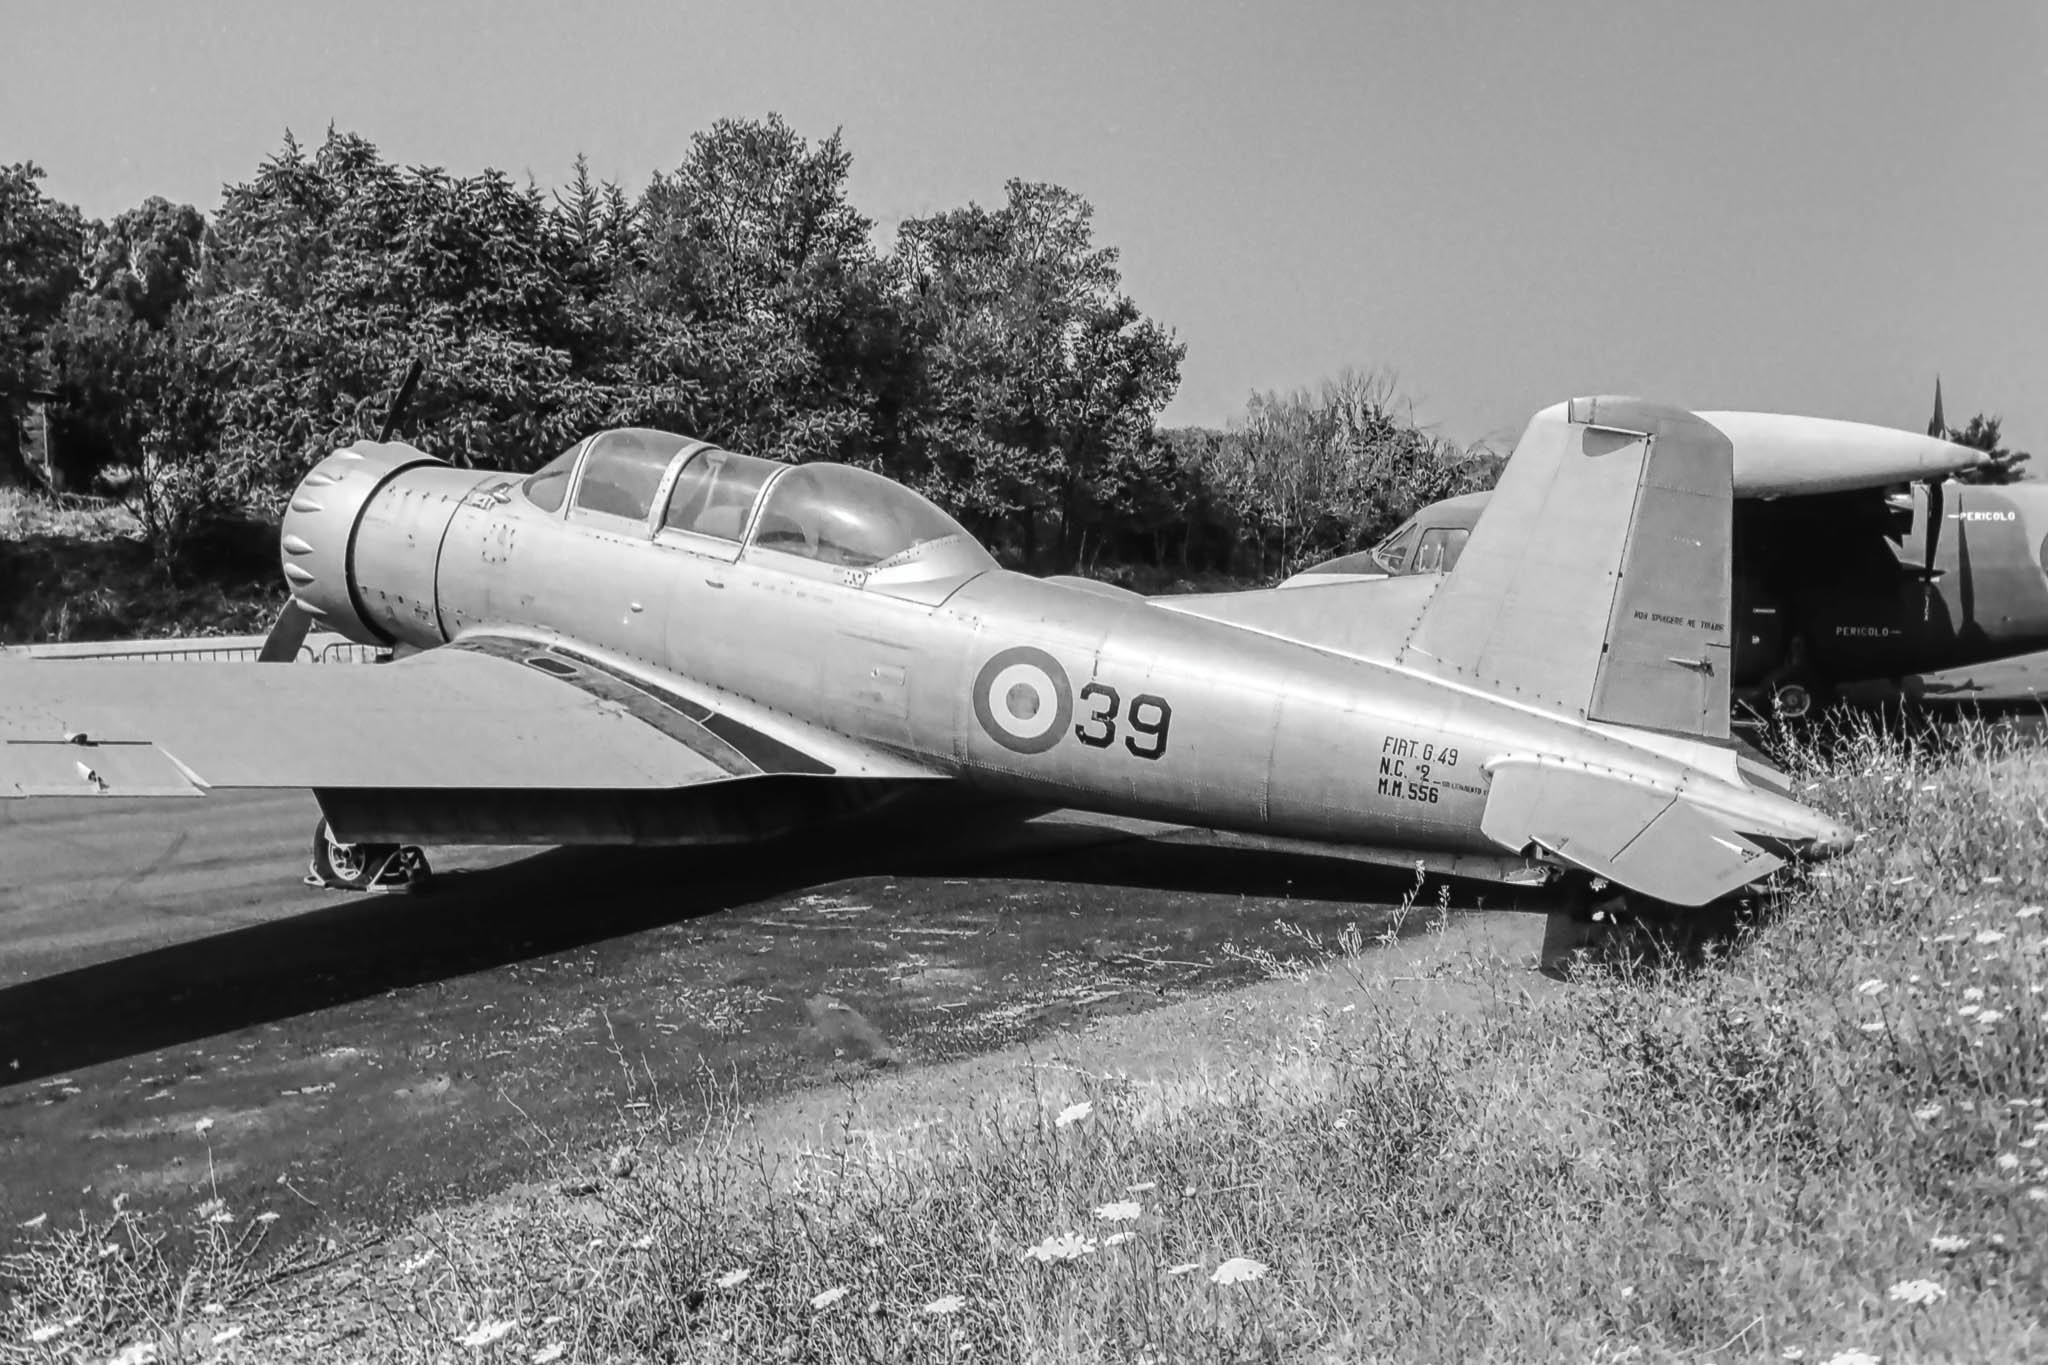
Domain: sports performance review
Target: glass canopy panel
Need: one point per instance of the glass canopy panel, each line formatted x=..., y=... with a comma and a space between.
x=849, y=517
x=715, y=492
x=546, y=487
x=623, y=470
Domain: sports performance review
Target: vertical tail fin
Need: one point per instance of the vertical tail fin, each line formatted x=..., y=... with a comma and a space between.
x=1598, y=582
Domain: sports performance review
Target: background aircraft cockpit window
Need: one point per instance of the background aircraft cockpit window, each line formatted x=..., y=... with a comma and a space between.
x=715, y=492
x=841, y=515
x=547, y=486
x=1393, y=552
x=623, y=471
x=1440, y=548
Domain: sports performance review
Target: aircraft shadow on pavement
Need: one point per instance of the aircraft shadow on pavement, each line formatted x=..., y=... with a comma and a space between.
x=562, y=899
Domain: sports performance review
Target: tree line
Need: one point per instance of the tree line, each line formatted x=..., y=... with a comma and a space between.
x=197, y=364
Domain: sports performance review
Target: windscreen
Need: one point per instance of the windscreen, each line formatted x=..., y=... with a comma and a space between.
x=546, y=487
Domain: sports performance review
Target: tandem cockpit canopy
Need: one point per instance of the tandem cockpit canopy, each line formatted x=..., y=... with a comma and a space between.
x=685, y=492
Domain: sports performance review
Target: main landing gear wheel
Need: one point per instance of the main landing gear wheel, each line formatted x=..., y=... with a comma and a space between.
x=365, y=867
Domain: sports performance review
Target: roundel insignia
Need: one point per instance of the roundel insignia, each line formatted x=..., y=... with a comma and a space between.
x=1023, y=700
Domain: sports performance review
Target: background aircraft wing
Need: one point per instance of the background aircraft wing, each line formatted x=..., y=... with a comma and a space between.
x=487, y=715
x=2019, y=680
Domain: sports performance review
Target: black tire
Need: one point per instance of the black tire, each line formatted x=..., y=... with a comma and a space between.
x=350, y=867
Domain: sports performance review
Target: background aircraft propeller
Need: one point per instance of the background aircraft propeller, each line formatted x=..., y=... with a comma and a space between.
x=288, y=632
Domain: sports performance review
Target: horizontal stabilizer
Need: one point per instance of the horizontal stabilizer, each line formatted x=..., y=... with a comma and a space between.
x=1648, y=839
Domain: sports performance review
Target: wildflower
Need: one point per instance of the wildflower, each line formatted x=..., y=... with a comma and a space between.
x=1874, y=1026
x=412, y=1265
x=1973, y=993
x=1922, y=1292
x=1238, y=1270
x=826, y=1298
x=1948, y=1246
x=1117, y=1239
x=134, y=1353
x=644, y=1243
x=1990, y=1016
x=1968, y=1010
x=947, y=1303
x=49, y=1331
x=2008, y=1161
x=552, y=1351
x=1185, y=1267
x=214, y=1310
x=1927, y=1113
x=1791, y=1353
x=1065, y=1246
x=486, y=1333
x=227, y=1334
x=1143, y=1187
x=1992, y=881
x=2037, y=1194
x=1874, y=986
x=2027, y=912
x=266, y=1217
x=1121, y=1212
x=216, y=1211
x=1986, y=937
x=733, y=1279
x=201, y=1126
x=1073, y=1114
x=1852, y=1358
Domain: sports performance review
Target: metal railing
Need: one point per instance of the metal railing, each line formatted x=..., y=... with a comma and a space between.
x=321, y=648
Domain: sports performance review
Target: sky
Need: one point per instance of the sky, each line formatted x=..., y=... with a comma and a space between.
x=1798, y=206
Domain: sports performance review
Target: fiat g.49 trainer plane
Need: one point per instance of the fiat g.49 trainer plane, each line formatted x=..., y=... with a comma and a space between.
x=656, y=641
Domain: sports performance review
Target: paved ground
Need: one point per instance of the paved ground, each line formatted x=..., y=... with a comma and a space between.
x=361, y=1057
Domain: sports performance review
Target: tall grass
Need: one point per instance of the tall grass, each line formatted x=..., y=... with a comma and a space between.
x=1826, y=1143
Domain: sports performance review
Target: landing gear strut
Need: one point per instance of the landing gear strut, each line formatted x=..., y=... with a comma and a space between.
x=365, y=867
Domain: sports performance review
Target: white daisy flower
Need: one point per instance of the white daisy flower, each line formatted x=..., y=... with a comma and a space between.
x=1238, y=1270
x=1928, y=1113
x=1123, y=1211
x=1117, y=1239
x=1945, y=1245
x=488, y=1333
x=1063, y=1246
x=826, y=1298
x=944, y=1304
x=733, y=1279
x=2008, y=1161
x=1852, y=1357
x=1922, y=1292
x=552, y=1351
x=1073, y=1114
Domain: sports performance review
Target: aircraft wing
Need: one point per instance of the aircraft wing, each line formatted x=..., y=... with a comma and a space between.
x=1649, y=840
x=484, y=715
x=2016, y=681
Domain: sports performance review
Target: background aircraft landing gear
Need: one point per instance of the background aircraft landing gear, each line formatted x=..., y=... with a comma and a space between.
x=365, y=867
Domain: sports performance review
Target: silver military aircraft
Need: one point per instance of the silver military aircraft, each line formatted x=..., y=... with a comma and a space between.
x=655, y=641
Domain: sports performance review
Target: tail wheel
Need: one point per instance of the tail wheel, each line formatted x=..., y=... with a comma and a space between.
x=350, y=867
x=1791, y=701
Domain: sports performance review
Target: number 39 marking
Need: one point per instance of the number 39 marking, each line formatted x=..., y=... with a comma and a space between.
x=1150, y=719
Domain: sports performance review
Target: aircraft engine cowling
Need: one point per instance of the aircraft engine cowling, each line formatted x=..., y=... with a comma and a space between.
x=361, y=538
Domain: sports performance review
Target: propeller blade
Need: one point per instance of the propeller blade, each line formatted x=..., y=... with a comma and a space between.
x=401, y=398
x=287, y=635
x=1934, y=518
